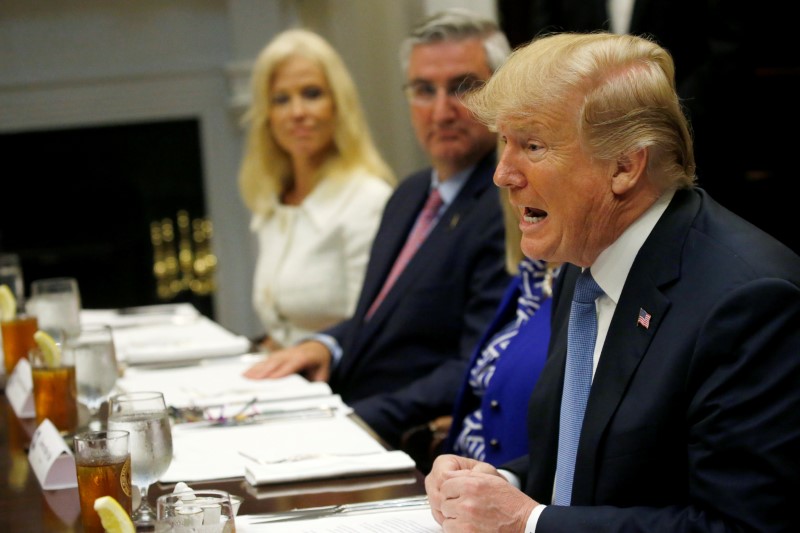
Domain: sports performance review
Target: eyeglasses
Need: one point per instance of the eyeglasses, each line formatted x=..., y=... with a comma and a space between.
x=423, y=93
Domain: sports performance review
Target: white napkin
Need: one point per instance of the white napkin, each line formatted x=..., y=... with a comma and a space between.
x=168, y=342
x=327, y=466
x=141, y=316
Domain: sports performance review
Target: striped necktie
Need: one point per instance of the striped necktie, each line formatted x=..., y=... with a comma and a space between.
x=421, y=229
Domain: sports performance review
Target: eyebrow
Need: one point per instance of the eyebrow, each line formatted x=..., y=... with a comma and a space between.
x=457, y=78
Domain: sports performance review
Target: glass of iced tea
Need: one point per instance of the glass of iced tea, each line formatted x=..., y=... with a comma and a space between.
x=103, y=464
x=17, y=339
x=55, y=391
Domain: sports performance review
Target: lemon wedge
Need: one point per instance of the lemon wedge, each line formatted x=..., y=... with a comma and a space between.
x=113, y=517
x=8, y=304
x=50, y=350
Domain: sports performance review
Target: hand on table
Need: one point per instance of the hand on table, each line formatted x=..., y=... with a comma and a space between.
x=311, y=358
x=468, y=495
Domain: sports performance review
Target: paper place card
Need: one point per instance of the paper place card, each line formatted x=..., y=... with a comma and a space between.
x=64, y=504
x=19, y=390
x=51, y=459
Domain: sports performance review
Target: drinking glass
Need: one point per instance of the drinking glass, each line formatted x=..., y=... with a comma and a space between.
x=17, y=339
x=55, y=392
x=11, y=275
x=56, y=302
x=96, y=368
x=144, y=415
x=103, y=465
x=195, y=511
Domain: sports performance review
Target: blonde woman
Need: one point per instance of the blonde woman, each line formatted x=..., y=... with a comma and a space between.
x=315, y=183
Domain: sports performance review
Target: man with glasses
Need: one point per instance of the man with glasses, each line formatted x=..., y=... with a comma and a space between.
x=436, y=270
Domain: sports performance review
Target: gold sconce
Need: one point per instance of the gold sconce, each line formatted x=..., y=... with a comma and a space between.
x=183, y=262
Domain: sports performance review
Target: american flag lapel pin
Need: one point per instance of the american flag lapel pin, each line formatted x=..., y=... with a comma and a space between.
x=644, y=319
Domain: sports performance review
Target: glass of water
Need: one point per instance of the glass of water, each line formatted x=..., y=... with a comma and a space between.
x=96, y=369
x=196, y=511
x=11, y=275
x=56, y=302
x=144, y=415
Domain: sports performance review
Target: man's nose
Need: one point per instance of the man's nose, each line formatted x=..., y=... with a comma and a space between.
x=507, y=174
x=444, y=104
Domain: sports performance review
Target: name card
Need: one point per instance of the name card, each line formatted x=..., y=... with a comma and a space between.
x=19, y=390
x=51, y=459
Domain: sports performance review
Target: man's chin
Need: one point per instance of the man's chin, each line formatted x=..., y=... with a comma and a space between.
x=450, y=153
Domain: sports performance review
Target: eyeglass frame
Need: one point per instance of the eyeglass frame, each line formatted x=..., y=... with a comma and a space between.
x=456, y=88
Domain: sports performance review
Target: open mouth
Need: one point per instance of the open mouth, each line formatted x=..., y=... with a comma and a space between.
x=531, y=215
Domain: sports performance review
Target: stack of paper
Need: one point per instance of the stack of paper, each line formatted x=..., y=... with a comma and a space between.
x=281, y=450
x=218, y=382
x=164, y=334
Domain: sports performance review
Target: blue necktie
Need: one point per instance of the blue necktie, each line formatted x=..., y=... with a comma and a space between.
x=581, y=338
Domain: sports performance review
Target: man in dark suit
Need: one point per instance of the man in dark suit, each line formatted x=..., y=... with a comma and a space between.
x=670, y=399
x=400, y=359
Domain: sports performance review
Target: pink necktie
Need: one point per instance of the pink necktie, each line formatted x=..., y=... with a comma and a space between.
x=415, y=238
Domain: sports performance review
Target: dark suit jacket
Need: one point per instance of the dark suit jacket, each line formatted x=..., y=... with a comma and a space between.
x=692, y=424
x=404, y=366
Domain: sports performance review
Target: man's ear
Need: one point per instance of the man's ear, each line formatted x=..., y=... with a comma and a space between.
x=629, y=172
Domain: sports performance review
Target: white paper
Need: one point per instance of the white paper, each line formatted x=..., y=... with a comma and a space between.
x=63, y=504
x=392, y=479
x=217, y=382
x=141, y=316
x=211, y=453
x=327, y=466
x=51, y=459
x=385, y=521
x=19, y=390
x=182, y=341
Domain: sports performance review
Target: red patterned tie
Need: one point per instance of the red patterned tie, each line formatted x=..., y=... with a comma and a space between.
x=415, y=238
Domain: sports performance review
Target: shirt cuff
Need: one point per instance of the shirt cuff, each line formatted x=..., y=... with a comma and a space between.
x=533, y=519
x=332, y=346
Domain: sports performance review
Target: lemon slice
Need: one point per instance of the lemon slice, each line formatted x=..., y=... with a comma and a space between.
x=50, y=350
x=113, y=517
x=8, y=304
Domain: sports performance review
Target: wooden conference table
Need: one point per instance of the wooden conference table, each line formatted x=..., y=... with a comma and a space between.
x=25, y=507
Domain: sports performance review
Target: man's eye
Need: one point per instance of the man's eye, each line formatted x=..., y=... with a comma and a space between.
x=423, y=90
x=465, y=86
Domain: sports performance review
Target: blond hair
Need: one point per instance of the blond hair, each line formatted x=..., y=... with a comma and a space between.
x=622, y=86
x=266, y=168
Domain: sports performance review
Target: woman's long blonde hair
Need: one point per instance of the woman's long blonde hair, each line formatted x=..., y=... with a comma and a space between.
x=266, y=168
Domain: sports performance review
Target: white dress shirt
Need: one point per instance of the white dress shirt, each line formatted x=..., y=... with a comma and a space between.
x=313, y=257
x=610, y=270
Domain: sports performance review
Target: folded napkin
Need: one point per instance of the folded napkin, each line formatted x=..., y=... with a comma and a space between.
x=141, y=316
x=326, y=466
x=170, y=342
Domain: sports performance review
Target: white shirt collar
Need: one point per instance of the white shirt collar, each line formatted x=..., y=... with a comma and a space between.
x=449, y=189
x=610, y=269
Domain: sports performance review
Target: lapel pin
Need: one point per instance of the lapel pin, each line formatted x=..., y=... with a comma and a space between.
x=644, y=319
x=454, y=221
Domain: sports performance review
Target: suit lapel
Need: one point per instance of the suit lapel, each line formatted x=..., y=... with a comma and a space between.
x=385, y=252
x=656, y=264
x=439, y=241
